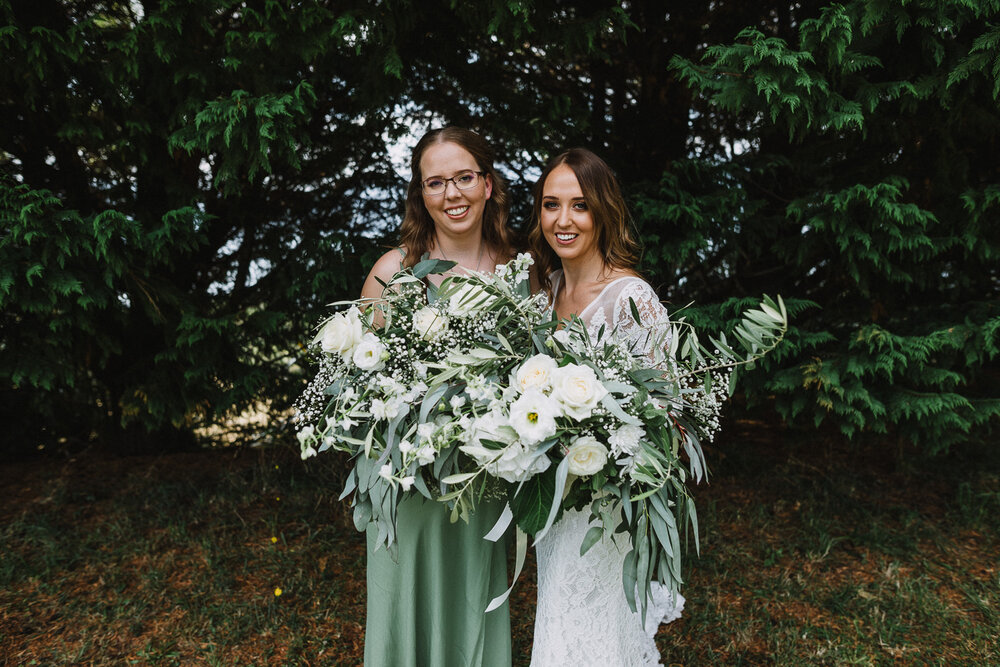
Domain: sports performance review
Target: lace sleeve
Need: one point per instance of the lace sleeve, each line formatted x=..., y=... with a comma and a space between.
x=650, y=336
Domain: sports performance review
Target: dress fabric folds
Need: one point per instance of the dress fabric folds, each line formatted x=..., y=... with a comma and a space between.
x=428, y=607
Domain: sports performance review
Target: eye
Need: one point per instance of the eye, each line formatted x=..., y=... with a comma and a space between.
x=550, y=205
x=465, y=178
x=433, y=183
x=580, y=206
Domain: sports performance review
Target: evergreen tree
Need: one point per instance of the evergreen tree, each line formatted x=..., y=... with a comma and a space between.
x=868, y=182
x=185, y=184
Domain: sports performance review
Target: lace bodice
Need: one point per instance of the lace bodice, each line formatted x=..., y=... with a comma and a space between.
x=582, y=616
x=610, y=313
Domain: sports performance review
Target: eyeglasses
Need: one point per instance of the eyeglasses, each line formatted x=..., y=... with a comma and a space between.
x=463, y=180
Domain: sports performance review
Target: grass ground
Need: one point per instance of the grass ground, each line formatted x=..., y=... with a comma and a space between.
x=814, y=552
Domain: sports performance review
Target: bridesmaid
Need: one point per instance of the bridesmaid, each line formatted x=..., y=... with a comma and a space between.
x=428, y=607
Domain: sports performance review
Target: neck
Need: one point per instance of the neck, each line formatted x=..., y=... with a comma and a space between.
x=467, y=249
x=585, y=271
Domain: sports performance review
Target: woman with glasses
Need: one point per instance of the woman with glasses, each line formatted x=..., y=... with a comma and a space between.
x=428, y=607
x=586, y=256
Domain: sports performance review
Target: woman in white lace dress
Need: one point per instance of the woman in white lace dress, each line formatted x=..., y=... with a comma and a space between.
x=586, y=255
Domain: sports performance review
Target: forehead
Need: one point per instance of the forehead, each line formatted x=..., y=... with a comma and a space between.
x=445, y=159
x=562, y=183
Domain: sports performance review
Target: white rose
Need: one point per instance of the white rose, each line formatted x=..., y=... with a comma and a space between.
x=342, y=333
x=625, y=439
x=533, y=416
x=578, y=390
x=428, y=323
x=469, y=298
x=536, y=372
x=586, y=456
x=368, y=354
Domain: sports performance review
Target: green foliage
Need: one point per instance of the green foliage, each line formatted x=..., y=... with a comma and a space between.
x=867, y=177
x=192, y=181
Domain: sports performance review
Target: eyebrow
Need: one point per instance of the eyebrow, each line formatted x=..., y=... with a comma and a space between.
x=571, y=198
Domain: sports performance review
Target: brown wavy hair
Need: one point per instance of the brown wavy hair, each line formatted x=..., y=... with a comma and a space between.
x=416, y=233
x=615, y=238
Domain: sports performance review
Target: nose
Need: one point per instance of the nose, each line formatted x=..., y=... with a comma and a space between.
x=563, y=219
x=450, y=189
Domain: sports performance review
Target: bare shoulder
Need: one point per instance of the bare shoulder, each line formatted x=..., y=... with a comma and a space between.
x=385, y=268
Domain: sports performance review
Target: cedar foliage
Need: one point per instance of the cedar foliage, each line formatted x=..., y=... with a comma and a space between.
x=185, y=184
x=869, y=186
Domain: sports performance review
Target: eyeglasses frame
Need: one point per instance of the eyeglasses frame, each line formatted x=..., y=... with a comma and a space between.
x=423, y=183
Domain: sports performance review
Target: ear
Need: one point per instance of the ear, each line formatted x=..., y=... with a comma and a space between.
x=489, y=185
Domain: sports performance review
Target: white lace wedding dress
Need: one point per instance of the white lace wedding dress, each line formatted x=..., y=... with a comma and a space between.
x=582, y=617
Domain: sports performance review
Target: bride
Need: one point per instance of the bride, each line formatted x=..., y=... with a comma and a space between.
x=581, y=225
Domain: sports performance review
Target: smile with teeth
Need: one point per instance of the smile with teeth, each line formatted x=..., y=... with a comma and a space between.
x=457, y=211
x=566, y=237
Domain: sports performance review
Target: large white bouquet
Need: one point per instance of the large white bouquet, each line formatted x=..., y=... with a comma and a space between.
x=472, y=382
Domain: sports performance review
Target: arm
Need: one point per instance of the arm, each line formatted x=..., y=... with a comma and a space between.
x=385, y=268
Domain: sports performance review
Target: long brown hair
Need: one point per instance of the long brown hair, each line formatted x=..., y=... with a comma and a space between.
x=615, y=239
x=417, y=231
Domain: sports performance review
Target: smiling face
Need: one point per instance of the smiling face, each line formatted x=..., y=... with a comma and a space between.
x=566, y=220
x=454, y=212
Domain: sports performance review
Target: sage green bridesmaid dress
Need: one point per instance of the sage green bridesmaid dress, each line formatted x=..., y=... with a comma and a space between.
x=427, y=609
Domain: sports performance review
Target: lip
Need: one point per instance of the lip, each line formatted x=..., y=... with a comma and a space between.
x=568, y=241
x=457, y=212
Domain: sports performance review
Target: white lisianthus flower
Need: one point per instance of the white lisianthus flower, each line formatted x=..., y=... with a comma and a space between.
x=407, y=482
x=578, y=390
x=468, y=299
x=533, y=416
x=342, y=333
x=405, y=446
x=491, y=426
x=429, y=323
x=385, y=472
x=515, y=461
x=586, y=456
x=368, y=354
x=457, y=401
x=537, y=372
x=625, y=439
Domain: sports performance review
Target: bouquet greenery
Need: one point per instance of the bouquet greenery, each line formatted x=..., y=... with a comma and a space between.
x=390, y=370
x=472, y=382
